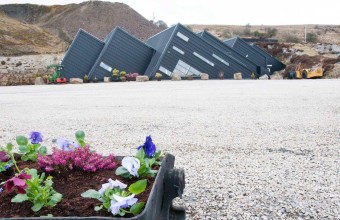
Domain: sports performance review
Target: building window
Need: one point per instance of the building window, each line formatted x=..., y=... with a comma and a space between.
x=178, y=50
x=182, y=36
x=105, y=66
x=220, y=59
x=184, y=69
x=165, y=71
x=204, y=59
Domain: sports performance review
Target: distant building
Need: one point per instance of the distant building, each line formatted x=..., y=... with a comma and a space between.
x=174, y=50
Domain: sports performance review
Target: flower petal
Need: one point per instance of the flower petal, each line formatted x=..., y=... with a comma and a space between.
x=19, y=182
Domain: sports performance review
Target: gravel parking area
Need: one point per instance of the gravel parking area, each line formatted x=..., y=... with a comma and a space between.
x=250, y=149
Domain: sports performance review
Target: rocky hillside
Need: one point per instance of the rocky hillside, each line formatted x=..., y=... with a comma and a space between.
x=96, y=17
x=326, y=34
x=18, y=38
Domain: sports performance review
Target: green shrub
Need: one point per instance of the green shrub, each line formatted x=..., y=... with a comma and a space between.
x=291, y=38
x=311, y=38
x=226, y=34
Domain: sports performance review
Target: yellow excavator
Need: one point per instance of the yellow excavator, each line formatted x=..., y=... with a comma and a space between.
x=311, y=73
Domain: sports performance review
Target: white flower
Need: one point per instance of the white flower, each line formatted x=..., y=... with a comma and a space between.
x=121, y=202
x=111, y=184
x=131, y=164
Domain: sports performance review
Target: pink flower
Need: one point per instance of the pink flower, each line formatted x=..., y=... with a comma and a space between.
x=18, y=182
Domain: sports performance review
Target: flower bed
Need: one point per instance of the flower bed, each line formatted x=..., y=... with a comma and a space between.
x=74, y=181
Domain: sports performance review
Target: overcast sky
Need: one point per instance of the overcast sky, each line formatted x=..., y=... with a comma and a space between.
x=238, y=12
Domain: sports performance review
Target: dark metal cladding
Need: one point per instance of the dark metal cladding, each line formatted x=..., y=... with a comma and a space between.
x=247, y=51
x=123, y=52
x=272, y=63
x=81, y=55
x=214, y=41
x=194, y=51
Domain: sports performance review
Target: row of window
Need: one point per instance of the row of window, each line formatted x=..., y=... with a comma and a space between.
x=186, y=39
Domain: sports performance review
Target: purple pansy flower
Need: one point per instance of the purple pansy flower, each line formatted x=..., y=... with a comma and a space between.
x=110, y=185
x=7, y=166
x=67, y=145
x=36, y=137
x=121, y=202
x=1, y=189
x=131, y=164
x=149, y=147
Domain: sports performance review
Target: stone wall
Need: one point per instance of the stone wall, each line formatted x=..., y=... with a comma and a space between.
x=22, y=70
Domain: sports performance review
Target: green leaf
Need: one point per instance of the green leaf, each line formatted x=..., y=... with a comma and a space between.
x=97, y=208
x=37, y=206
x=91, y=193
x=20, y=198
x=81, y=142
x=142, y=169
x=157, y=154
x=56, y=197
x=32, y=157
x=80, y=135
x=23, y=149
x=138, y=187
x=140, y=154
x=22, y=140
x=121, y=170
x=9, y=147
x=24, y=158
x=137, y=208
x=42, y=150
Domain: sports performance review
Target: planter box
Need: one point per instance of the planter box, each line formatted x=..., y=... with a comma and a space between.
x=169, y=184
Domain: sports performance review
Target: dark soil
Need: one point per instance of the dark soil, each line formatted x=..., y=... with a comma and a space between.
x=71, y=184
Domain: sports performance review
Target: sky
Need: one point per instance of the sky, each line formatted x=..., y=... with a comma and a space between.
x=224, y=12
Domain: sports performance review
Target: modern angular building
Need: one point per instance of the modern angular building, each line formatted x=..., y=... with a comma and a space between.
x=179, y=50
x=174, y=50
x=255, y=54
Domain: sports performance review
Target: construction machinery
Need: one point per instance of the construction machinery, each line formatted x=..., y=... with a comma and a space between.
x=56, y=77
x=311, y=73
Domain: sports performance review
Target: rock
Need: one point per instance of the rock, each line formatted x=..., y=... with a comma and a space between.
x=204, y=76
x=142, y=78
x=76, y=81
x=238, y=76
x=39, y=81
x=3, y=71
x=264, y=77
x=107, y=79
x=176, y=77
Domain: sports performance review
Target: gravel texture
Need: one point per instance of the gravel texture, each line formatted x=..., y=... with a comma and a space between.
x=250, y=149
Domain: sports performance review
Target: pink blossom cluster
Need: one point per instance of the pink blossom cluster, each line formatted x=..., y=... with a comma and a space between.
x=81, y=158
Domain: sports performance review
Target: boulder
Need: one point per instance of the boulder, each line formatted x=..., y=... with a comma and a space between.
x=3, y=71
x=204, y=76
x=107, y=79
x=238, y=76
x=176, y=77
x=39, y=81
x=142, y=78
x=76, y=81
x=264, y=77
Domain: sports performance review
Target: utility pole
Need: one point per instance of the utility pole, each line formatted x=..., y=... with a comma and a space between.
x=305, y=34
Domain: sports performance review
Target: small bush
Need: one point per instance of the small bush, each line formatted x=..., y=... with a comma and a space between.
x=271, y=32
x=226, y=34
x=247, y=32
x=312, y=38
x=3, y=62
x=292, y=38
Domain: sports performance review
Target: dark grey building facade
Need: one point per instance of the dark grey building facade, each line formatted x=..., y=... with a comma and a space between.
x=233, y=54
x=174, y=50
x=255, y=54
x=179, y=50
x=81, y=55
x=124, y=52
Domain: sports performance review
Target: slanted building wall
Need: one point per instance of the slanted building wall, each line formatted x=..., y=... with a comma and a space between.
x=81, y=55
x=124, y=52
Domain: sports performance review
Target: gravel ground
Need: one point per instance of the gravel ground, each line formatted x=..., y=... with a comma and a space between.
x=250, y=149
